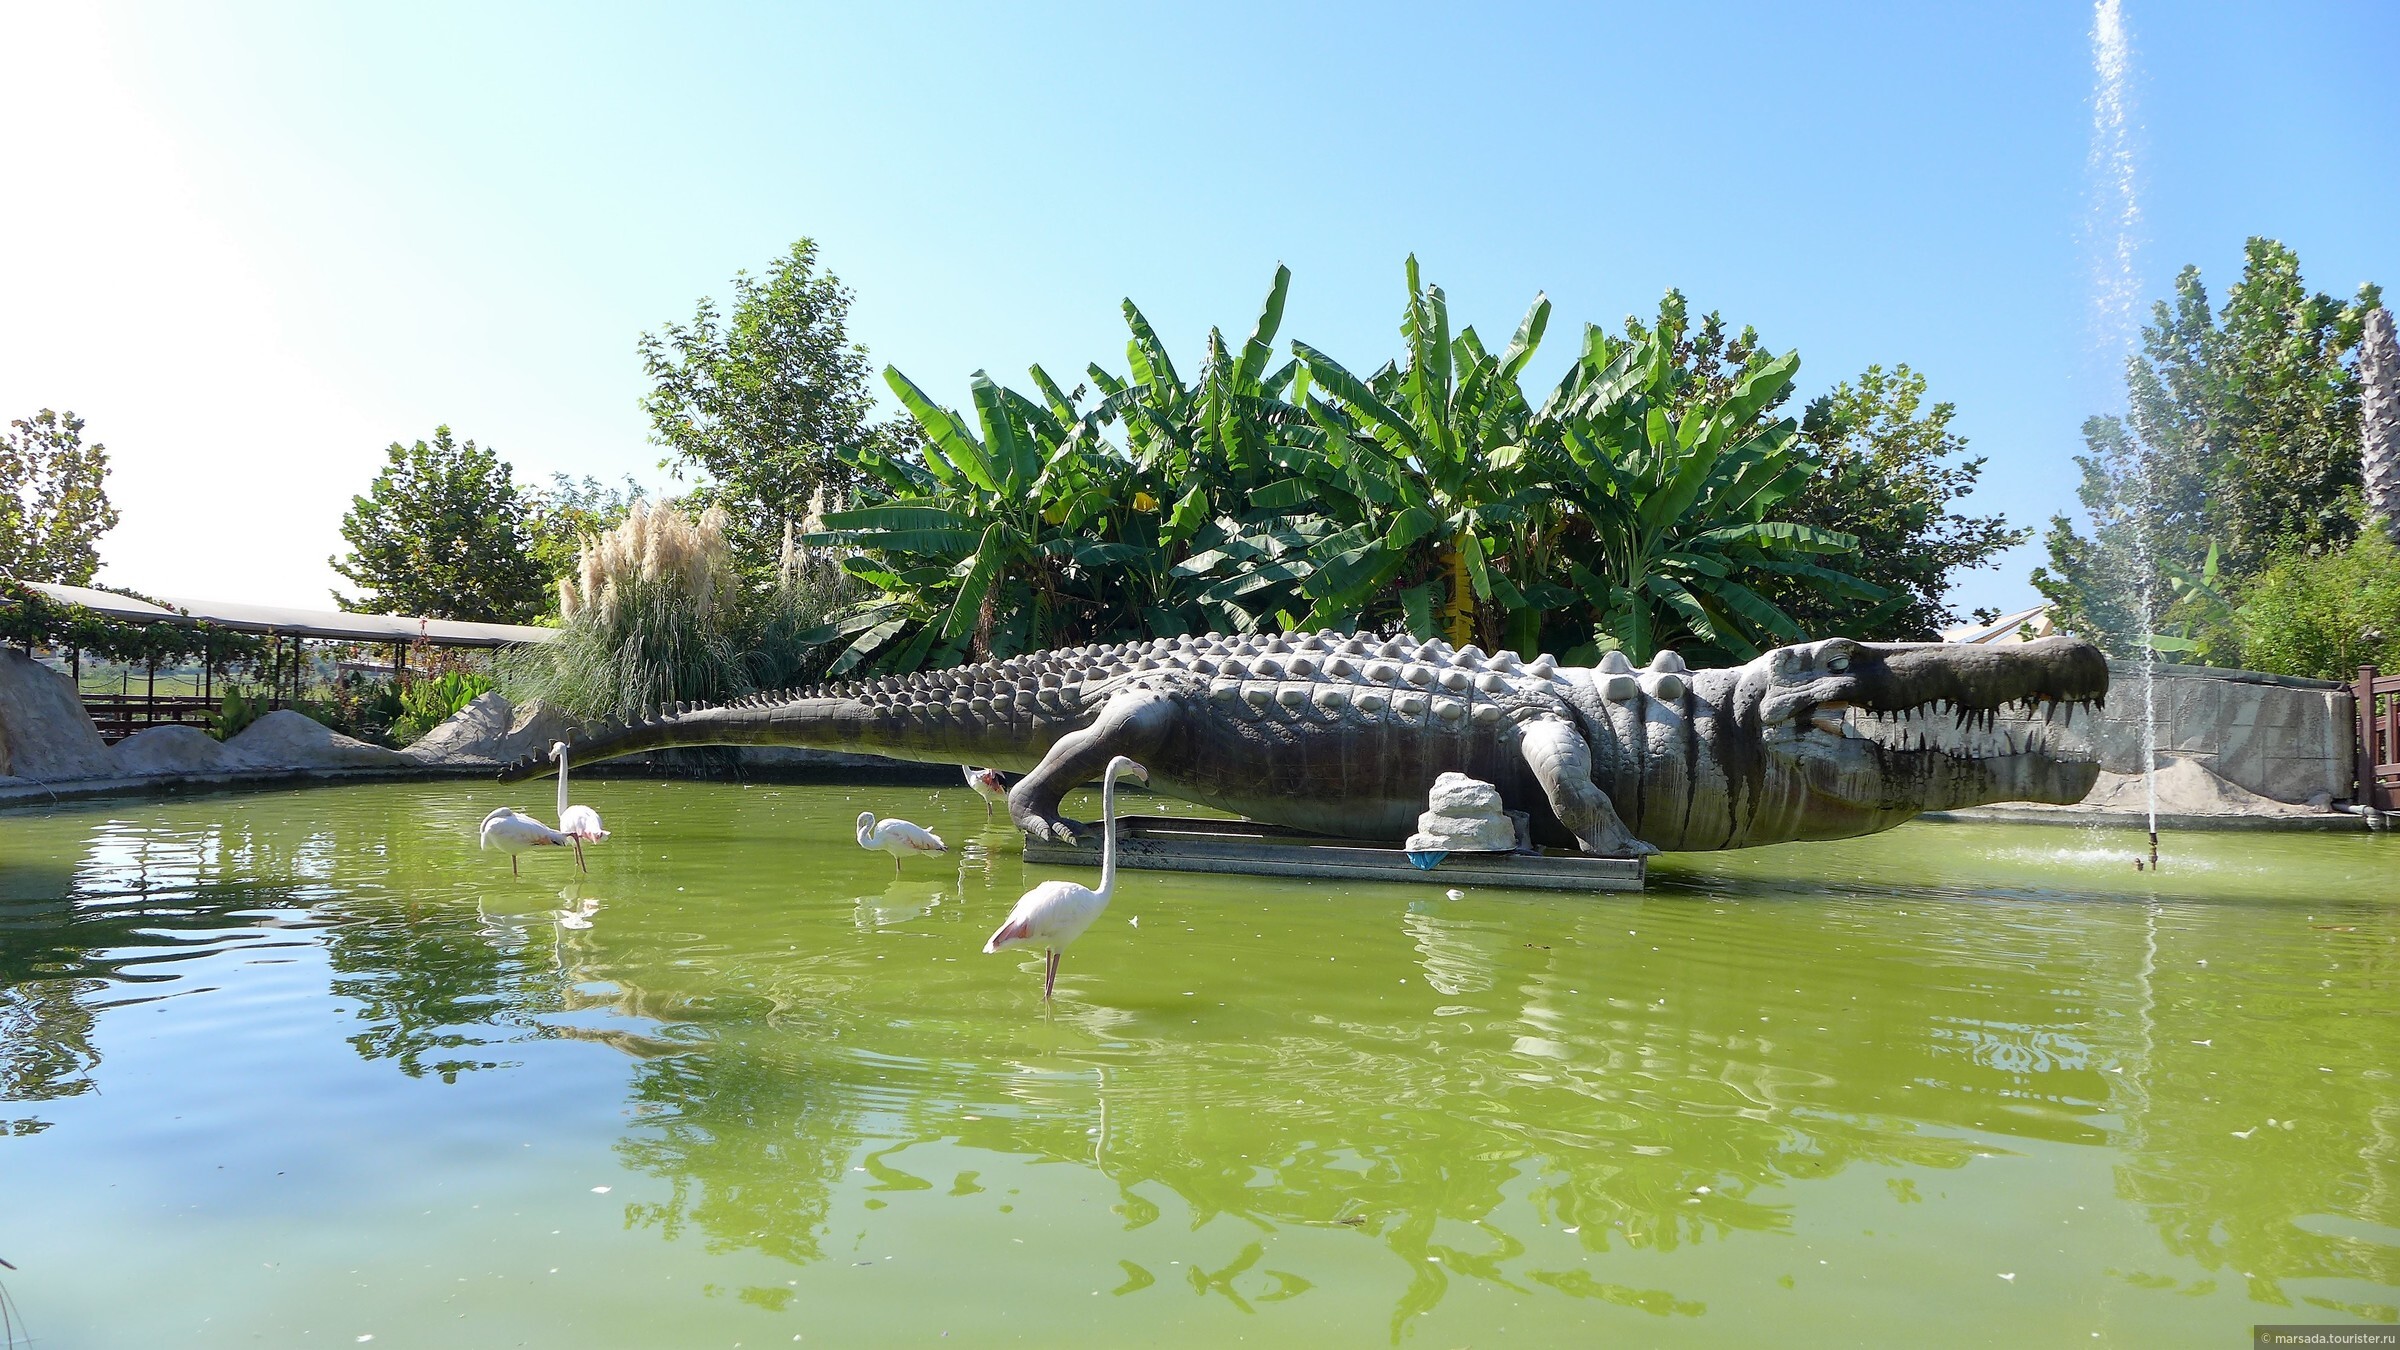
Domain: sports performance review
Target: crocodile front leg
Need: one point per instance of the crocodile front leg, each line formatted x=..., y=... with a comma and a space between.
x=1133, y=724
x=1561, y=761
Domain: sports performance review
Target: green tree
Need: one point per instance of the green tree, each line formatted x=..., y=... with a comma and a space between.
x=2325, y=612
x=1889, y=470
x=763, y=399
x=2241, y=432
x=53, y=500
x=568, y=512
x=443, y=532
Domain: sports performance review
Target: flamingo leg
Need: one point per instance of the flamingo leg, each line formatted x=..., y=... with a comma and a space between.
x=1050, y=974
x=512, y=866
x=579, y=853
x=895, y=866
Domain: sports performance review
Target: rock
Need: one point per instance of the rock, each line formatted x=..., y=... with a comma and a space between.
x=491, y=731
x=45, y=734
x=1465, y=815
x=286, y=740
x=169, y=749
x=1455, y=794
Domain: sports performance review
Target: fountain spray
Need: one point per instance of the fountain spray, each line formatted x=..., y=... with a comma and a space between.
x=2116, y=219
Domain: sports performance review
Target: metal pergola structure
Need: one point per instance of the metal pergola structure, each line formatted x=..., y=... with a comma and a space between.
x=279, y=622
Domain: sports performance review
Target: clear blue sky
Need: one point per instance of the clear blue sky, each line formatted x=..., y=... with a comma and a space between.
x=252, y=244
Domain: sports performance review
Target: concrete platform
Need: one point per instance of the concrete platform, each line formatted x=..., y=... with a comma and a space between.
x=1245, y=848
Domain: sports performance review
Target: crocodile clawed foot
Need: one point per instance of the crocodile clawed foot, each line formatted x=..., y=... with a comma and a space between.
x=1061, y=829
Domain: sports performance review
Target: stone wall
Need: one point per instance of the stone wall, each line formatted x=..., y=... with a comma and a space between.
x=2289, y=739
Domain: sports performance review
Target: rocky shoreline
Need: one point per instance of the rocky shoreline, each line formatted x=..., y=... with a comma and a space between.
x=49, y=749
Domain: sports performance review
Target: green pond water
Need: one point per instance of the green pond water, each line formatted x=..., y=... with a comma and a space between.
x=305, y=1068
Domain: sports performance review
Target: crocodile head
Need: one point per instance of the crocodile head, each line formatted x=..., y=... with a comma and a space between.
x=1858, y=736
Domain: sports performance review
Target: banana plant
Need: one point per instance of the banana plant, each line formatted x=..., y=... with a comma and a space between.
x=1670, y=514
x=2201, y=618
x=1199, y=452
x=1429, y=468
x=990, y=543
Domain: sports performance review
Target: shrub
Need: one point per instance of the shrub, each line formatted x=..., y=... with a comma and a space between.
x=427, y=703
x=236, y=712
x=2325, y=614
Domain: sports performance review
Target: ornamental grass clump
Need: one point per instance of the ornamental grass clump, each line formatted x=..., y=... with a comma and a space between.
x=658, y=610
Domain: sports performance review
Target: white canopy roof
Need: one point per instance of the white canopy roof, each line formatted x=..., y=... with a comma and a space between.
x=2007, y=630
x=331, y=625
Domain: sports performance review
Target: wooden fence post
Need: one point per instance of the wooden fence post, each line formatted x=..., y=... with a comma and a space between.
x=2364, y=693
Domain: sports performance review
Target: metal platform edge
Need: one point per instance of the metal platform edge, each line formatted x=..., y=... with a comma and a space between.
x=1245, y=848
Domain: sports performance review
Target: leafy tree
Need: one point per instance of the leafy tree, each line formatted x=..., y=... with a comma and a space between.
x=2324, y=612
x=1888, y=470
x=2241, y=433
x=763, y=399
x=568, y=512
x=53, y=500
x=444, y=532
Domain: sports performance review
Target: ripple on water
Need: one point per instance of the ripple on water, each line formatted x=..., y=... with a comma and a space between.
x=1433, y=1117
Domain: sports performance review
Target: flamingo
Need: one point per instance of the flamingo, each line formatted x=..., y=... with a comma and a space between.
x=896, y=837
x=988, y=785
x=577, y=823
x=1055, y=913
x=512, y=832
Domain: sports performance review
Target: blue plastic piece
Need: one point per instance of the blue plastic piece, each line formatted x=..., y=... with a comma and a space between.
x=1427, y=859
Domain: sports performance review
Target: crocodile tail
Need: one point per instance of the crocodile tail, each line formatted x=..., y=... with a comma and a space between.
x=848, y=718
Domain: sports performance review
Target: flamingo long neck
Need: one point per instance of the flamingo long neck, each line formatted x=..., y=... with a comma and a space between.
x=562, y=785
x=1108, y=833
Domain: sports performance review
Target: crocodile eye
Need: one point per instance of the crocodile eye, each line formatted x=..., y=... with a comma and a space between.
x=1838, y=664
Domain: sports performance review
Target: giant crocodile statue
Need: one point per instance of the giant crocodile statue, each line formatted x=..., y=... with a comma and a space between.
x=1343, y=735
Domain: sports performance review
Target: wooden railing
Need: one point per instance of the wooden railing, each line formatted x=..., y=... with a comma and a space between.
x=120, y=715
x=2378, y=739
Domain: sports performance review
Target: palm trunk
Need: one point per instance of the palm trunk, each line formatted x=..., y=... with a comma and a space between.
x=2379, y=420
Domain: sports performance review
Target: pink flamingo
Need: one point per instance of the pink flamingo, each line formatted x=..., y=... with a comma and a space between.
x=989, y=785
x=1056, y=913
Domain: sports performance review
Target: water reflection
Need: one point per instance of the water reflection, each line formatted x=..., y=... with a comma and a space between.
x=1495, y=1092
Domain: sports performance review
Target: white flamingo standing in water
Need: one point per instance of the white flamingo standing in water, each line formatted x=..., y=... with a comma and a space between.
x=512, y=832
x=989, y=785
x=1055, y=913
x=896, y=837
x=580, y=824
